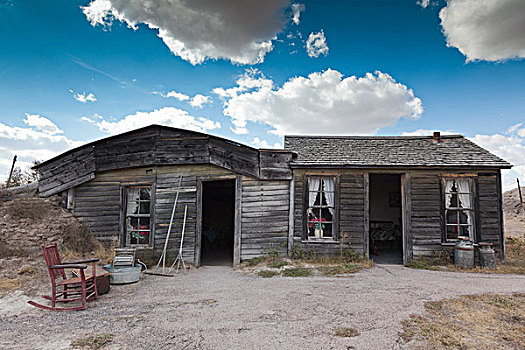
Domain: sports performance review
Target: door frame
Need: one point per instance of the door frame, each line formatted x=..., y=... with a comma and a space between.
x=237, y=216
x=405, y=210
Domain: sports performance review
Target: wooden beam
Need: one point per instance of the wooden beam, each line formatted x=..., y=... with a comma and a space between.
x=198, y=233
x=237, y=222
x=366, y=214
x=67, y=185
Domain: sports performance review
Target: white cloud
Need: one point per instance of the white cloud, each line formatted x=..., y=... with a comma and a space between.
x=423, y=3
x=321, y=103
x=39, y=141
x=316, y=44
x=510, y=148
x=258, y=143
x=43, y=124
x=199, y=100
x=196, y=101
x=169, y=116
x=485, y=29
x=425, y=132
x=296, y=10
x=251, y=79
x=179, y=96
x=83, y=97
x=514, y=128
x=238, y=30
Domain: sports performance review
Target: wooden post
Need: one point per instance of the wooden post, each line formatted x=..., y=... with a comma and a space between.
x=519, y=191
x=13, y=168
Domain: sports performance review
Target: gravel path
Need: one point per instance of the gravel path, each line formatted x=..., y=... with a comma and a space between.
x=218, y=308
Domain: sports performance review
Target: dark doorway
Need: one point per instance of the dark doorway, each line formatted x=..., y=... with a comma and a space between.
x=218, y=209
x=386, y=224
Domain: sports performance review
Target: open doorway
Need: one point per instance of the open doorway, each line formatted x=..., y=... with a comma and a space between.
x=218, y=219
x=386, y=224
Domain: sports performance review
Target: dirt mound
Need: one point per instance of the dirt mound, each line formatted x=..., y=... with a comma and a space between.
x=28, y=223
x=514, y=213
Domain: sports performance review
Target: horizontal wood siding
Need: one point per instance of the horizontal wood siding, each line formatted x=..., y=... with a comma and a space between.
x=97, y=203
x=265, y=214
x=351, y=210
x=489, y=228
x=234, y=157
x=425, y=217
x=275, y=165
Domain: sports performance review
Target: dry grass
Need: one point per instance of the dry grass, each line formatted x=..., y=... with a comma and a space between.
x=93, y=342
x=346, y=332
x=489, y=321
x=80, y=243
x=514, y=263
x=29, y=209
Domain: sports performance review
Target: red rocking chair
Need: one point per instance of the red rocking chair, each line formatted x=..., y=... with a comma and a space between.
x=66, y=290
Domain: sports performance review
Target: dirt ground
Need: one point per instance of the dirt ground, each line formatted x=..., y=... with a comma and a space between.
x=219, y=308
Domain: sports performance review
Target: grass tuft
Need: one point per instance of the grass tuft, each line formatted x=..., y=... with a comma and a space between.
x=298, y=272
x=93, y=342
x=346, y=332
x=267, y=273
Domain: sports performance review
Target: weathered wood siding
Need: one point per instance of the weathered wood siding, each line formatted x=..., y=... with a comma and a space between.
x=352, y=209
x=159, y=146
x=265, y=212
x=425, y=217
x=264, y=207
x=73, y=169
x=349, y=210
x=97, y=203
x=489, y=205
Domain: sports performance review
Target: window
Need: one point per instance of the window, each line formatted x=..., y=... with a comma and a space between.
x=138, y=216
x=459, y=212
x=321, y=208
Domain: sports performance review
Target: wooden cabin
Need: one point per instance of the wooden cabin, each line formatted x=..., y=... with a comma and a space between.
x=393, y=198
x=389, y=197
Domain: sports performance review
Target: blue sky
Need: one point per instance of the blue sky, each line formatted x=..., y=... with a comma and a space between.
x=76, y=71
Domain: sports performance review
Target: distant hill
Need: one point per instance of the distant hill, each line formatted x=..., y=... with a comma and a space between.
x=514, y=213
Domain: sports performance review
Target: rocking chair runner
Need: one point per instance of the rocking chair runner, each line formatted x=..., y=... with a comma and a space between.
x=66, y=290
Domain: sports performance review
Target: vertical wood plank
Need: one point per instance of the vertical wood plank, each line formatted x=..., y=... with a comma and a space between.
x=406, y=215
x=500, y=211
x=122, y=218
x=291, y=218
x=198, y=230
x=237, y=222
x=366, y=214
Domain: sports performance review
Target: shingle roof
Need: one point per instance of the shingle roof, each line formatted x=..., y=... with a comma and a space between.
x=394, y=151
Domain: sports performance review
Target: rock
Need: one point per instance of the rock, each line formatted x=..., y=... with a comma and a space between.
x=25, y=270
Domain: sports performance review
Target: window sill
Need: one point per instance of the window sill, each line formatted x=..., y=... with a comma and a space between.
x=139, y=246
x=323, y=241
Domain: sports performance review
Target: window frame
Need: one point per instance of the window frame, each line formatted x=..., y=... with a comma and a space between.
x=306, y=238
x=473, y=209
x=125, y=235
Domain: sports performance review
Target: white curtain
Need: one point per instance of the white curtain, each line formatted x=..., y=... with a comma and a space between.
x=133, y=197
x=329, y=194
x=448, y=194
x=463, y=188
x=313, y=189
x=464, y=199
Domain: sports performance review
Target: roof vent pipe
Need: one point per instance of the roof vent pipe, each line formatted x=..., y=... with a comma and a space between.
x=437, y=136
